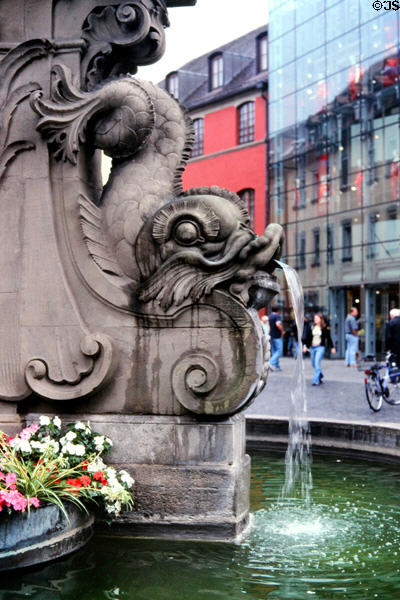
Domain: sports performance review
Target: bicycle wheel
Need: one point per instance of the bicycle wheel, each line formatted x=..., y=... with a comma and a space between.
x=374, y=394
x=394, y=393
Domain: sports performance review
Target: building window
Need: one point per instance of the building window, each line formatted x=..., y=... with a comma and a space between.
x=301, y=251
x=173, y=84
x=246, y=122
x=311, y=300
x=278, y=188
x=247, y=197
x=316, y=250
x=330, y=246
x=344, y=150
x=300, y=182
x=198, y=145
x=216, y=71
x=262, y=50
x=371, y=235
x=347, y=247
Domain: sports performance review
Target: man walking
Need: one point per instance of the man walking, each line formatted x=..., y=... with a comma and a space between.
x=351, y=333
x=276, y=333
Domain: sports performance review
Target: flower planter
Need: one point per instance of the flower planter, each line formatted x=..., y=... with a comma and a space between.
x=42, y=535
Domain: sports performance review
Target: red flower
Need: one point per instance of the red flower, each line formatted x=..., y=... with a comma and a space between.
x=103, y=481
x=85, y=465
x=74, y=482
x=85, y=480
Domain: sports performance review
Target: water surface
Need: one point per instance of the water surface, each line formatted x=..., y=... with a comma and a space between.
x=344, y=546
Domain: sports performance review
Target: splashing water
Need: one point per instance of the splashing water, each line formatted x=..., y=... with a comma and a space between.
x=298, y=478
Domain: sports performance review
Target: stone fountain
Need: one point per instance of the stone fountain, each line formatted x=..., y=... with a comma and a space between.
x=132, y=304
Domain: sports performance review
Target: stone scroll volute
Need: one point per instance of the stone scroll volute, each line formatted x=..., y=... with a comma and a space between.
x=140, y=296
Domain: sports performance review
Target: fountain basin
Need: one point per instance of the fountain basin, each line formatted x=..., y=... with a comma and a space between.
x=43, y=535
x=343, y=437
x=344, y=546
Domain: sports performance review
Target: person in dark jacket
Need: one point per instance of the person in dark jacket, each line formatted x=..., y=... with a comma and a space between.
x=393, y=334
x=315, y=341
x=276, y=333
x=294, y=333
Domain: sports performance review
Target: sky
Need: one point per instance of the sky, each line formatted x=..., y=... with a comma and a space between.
x=196, y=30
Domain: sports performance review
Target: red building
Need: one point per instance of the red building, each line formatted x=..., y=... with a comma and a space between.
x=225, y=92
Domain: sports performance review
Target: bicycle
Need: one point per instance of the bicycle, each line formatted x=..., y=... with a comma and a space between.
x=382, y=387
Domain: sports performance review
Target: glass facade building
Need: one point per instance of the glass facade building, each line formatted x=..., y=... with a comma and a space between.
x=334, y=156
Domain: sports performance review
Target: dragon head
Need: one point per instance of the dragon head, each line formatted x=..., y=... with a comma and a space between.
x=202, y=240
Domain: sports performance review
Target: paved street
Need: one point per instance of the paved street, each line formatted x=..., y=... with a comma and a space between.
x=341, y=397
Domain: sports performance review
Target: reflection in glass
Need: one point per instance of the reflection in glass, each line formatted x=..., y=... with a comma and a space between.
x=335, y=141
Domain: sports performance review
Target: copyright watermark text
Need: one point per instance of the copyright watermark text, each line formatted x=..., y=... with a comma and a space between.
x=386, y=4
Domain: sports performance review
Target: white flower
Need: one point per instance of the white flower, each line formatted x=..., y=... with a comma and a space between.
x=82, y=427
x=112, y=479
x=68, y=447
x=23, y=446
x=126, y=479
x=70, y=435
x=44, y=420
x=37, y=445
x=115, y=498
x=80, y=449
x=50, y=446
x=99, y=442
x=57, y=422
x=96, y=465
x=108, y=441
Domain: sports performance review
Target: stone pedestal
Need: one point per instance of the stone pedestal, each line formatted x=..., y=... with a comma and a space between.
x=191, y=476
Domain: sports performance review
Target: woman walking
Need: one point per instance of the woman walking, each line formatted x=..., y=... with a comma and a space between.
x=318, y=337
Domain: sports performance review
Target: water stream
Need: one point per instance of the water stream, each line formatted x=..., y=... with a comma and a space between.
x=298, y=478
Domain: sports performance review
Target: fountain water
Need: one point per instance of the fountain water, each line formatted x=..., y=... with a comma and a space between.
x=345, y=546
x=298, y=478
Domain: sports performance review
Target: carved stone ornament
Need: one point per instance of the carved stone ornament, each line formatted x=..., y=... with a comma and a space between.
x=139, y=294
x=121, y=37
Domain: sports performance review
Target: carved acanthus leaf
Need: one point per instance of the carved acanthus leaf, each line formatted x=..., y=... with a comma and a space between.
x=17, y=59
x=121, y=37
x=10, y=66
x=119, y=104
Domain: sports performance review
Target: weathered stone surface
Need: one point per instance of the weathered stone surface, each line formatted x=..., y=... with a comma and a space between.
x=188, y=474
x=133, y=298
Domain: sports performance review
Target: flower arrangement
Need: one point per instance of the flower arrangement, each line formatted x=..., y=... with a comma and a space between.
x=44, y=465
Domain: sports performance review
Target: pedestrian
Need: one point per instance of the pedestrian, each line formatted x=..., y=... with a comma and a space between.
x=293, y=344
x=351, y=333
x=318, y=337
x=276, y=333
x=393, y=335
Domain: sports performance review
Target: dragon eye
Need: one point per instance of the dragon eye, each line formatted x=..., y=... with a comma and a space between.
x=187, y=233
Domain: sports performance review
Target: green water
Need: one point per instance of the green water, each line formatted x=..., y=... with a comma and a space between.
x=346, y=546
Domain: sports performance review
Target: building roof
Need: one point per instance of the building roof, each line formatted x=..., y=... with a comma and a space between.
x=240, y=72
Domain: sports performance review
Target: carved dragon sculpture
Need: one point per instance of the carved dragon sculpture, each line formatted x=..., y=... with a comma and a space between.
x=138, y=269
x=147, y=235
